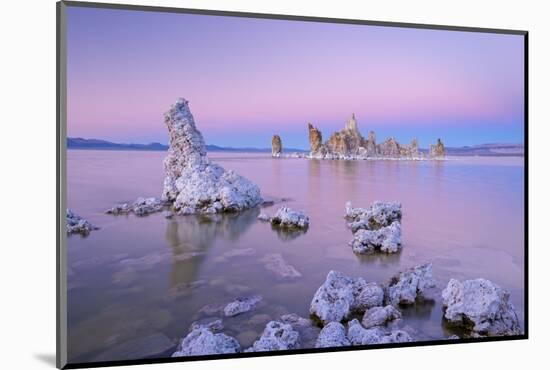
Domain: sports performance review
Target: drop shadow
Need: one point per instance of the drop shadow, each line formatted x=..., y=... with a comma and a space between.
x=46, y=358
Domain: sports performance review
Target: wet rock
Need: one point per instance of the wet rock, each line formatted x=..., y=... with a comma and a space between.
x=379, y=214
x=480, y=306
x=378, y=316
x=144, y=347
x=307, y=330
x=341, y=295
x=78, y=225
x=194, y=184
x=276, y=336
x=396, y=336
x=141, y=207
x=215, y=325
x=406, y=287
x=146, y=262
x=386, y=239
x=276, y=146
x=276, y=264
x=202, y=341
x=332, y=335
x=288, y=218
x=358, y=335
x=241, y=305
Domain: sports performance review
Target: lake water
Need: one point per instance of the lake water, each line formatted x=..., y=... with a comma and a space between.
x=130, y=280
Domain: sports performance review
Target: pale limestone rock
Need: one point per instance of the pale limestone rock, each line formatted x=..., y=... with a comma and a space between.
x=407, y=286
x=341, y=295
x=241, y=305
x=289, y=218
x=386, y=239
x=193, y=184
x=276, y=336
x=332, y=335
x=78, y=225
x=202, y=341
x=378, y=316
x=480, y=306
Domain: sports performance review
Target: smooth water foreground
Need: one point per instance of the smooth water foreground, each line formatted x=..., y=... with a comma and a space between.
x=140, y=278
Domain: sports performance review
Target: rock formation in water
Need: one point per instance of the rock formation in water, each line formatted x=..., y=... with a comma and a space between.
x=348, y=143
x=437, y=150
x=277, y=336
x=377, y=228
x=141, y=207
x=194, y=184
x=78, y=225
x=406, y=287
x=203, y=341
x=480, y=306
x=276, y=146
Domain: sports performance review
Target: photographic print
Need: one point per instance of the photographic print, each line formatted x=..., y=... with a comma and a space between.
x=239, y=184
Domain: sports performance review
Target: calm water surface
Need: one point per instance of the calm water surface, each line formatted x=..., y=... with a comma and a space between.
x=131, y=278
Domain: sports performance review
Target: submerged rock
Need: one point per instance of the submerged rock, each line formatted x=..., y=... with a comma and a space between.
x=151, y=345
x=78, y=225
x=480, y=306
x=215, y=325
x=264, y=217
x=276, y=336
x=378, y=316
x=276, y=146
x=406, y=287
x=307, y=330
x=141, y=207
x=358, y=335
x=332, y=335
x=194, y=184
x=386, y=239
x=279, y=267
x=379, y=214
x=241, y=305
x=288, y=218
x=202, y=341
x=341, y=295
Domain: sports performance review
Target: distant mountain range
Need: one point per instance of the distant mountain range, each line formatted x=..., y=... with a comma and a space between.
x=493, y=150
x=80, y=143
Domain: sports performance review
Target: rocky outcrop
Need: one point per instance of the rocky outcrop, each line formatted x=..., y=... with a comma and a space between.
x=348, y=143
x=437, y=150
x=276, y=264
x=386, y=239
x=276, y=146
x=289, y=218
x=341, y=295
x=141, y=207
x=358, y=335
x=78, y=225
x=332, y=335
x=378, y=316
x=407, y=286
x=202, y=341
x=315, y=141
x=277, y=336
x=377, y=228
x=481, y=307
x=241, y=305
x=193, y=184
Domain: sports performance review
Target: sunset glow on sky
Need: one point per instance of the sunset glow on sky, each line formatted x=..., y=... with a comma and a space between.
x=247, y=79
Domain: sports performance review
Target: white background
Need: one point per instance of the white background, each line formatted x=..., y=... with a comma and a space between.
x=27, y=230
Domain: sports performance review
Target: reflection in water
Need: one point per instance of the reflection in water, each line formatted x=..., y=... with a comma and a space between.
x=190, y=238
x=286, y=234
x=419, y=310
x=381, y=259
